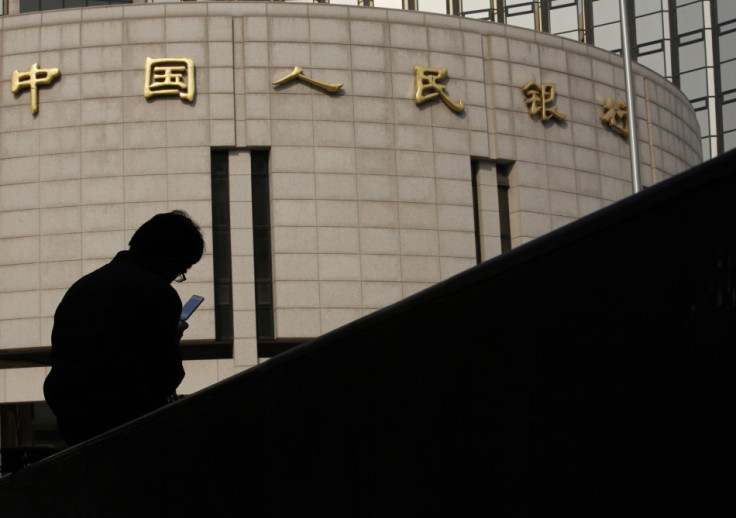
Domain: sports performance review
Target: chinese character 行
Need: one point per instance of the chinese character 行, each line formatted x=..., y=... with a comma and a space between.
x=169, y=76
x=427, y=79
x=616, y=118
x=297, y=74
x=540, y=98
x=31, y=79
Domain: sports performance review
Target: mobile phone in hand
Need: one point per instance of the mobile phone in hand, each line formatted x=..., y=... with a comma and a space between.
x=191, y=305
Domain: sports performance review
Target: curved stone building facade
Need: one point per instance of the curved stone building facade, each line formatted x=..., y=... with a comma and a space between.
x=325, y=191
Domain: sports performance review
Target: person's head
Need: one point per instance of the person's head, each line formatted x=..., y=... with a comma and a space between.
x=170, y=242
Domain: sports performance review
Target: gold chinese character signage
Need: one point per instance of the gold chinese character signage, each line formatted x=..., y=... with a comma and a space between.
x=169, y=76
x=616, y=118
x=428, y=87
x=297, y=73
x=31, y=79
x=541, y=100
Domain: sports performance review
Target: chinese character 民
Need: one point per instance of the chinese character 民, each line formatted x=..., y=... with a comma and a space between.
x=297, y=74
x=616, y=118
x=540, y=99
x=427, y=79
x=169, y=76
x=31, y=79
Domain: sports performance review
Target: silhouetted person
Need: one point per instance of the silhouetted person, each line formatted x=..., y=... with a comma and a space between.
x=115, y=342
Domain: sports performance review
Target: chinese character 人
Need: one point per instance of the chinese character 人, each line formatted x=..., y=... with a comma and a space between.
x=31, y=79
x=297, y=74
x=616, y=118
x=540, y=99
x=169, y=76
x=427, y=81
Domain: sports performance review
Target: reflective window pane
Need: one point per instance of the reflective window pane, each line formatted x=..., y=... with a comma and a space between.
x=729, y=140
x=693, y=84
x=726, y=10
x=480, y=8
x=564, y=19
x=654, y=61
x=689, y=18
x=389, y=4
x=432, y=6
x=608, y=37
x=728, y=76
x=729, y=116
x=727, y=46
x=692, y=56
x=646, y=7
x=520, y=13
x=649, y=28
x=605, y=11
x=706, y=148
x=703, y=119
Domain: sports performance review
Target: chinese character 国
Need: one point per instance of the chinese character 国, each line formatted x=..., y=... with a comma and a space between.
x=297, y=74
x=540, y=99
x=427, y=80
x=170, y=76
x=616, y=118
x=31, y=79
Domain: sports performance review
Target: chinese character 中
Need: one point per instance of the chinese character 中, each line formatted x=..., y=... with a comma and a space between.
x=540, y=99
x=297, y=74
x=427, y=79
x=170, y=76
x=31, y=79
x=616, y=118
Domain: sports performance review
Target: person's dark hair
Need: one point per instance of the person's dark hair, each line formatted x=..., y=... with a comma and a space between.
x=169, y=235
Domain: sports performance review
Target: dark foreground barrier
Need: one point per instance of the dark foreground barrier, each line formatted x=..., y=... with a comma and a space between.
x=589, y=373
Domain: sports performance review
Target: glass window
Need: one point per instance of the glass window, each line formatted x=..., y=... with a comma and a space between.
x=705, y=144
x=703, y=119
x=563, y=17
x=649, y=28
x=729, y=116
x=605, y=11
x=608, y=37
x=654, y=61
x=692, y=56
x=646, y=7
x=479, y=9
x=694, y=84
x=729, y=140
x=726, y=10
x=727, y=46
x=728, y=76
x=389, y=4
x=432, y=6
x=689, y=18
x=520, y=13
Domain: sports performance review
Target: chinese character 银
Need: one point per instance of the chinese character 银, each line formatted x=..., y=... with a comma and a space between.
x=540, y=99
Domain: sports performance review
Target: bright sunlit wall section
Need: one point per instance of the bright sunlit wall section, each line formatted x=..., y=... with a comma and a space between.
x=690, y=42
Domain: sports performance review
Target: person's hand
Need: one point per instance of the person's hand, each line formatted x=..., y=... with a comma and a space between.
x=182, y=326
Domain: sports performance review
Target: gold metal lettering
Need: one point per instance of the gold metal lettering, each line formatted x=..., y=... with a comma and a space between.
x=540, y=99
x=616, y=118
x=427, y=79
x=297, y=74
x=31, y=79
x=169, y=76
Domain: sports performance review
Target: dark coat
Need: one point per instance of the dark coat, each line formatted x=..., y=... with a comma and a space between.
x=115, y=348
